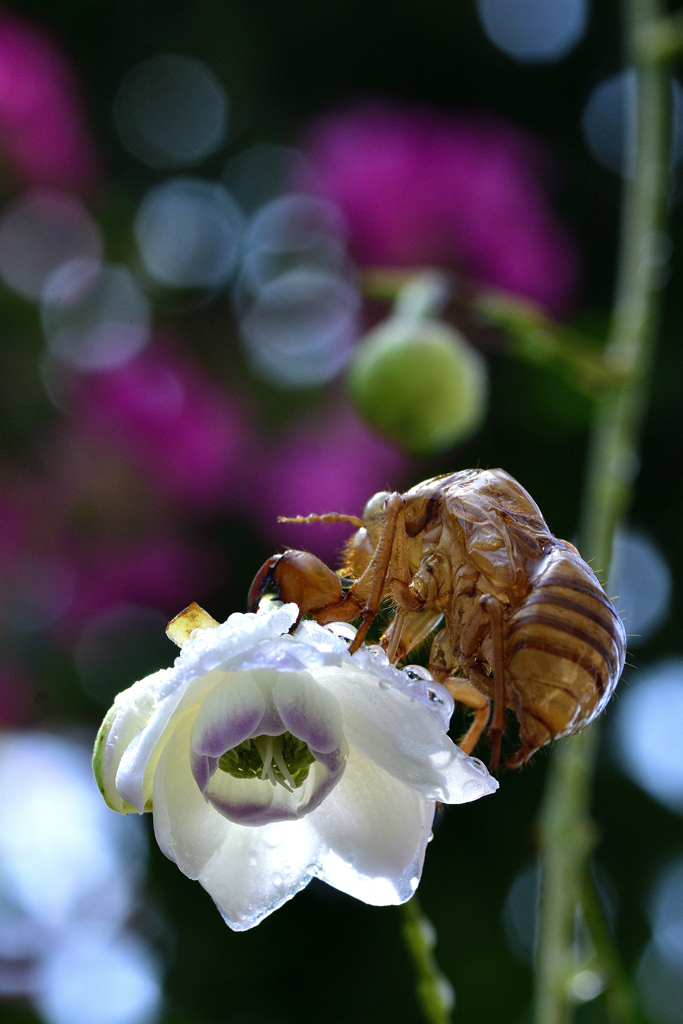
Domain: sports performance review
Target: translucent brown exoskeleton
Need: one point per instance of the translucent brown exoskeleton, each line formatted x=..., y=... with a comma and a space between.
x=526, y=623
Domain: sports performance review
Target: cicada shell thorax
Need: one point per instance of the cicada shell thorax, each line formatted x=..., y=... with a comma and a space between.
x=565, y=647
x=360, y=547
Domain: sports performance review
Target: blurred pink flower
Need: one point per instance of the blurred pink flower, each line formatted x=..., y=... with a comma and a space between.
x=165, y=572
x=186, y=434
x=333, y=464
x=43, y=135
x=419, y=187
x=62, y=559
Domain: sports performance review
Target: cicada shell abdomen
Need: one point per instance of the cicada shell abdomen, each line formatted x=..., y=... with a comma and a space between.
x=564, y=652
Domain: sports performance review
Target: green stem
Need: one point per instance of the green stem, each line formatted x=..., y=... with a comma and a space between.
x=661, y=40
x=434, y=992
x=565, y=824
x=620, y=1000
x=538, y=339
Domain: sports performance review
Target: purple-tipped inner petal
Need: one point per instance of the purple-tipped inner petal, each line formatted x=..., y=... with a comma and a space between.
x=229, y=714
x=250, y=801
x=333, y=760
x=202, y=768
x=308, y=711
x=319, y=785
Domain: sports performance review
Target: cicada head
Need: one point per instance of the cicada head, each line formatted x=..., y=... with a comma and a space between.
x=360, y=547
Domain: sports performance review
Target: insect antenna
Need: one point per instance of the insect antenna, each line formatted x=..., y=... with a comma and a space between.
x=327, y=517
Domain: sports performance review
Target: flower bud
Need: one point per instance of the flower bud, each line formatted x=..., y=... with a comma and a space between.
x=420, y=383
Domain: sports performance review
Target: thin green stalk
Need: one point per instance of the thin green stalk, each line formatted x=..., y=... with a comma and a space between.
x=538, y=339
x=531, y=335
x=565, y=826
x=622, y=1006
x=434, y=991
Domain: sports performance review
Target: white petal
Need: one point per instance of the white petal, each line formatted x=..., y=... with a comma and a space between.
x=187, y=828
x=377, y=830
x=195, y=672
x=404, y=738
x=271, y=723
x=249, y=801
x=202, y=768
x=129, y=715
x=319, y=784
x=308, y=711
x=232, y=642
x=259, y=869
x=137, y=765
x=229, y=713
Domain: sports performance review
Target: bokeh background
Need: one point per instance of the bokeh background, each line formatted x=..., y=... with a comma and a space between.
x=190, y=197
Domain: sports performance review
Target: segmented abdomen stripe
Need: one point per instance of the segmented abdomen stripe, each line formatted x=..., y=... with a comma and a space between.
x=539, y=597
x=568, y=616
x=590, y=589
x=531, y=618
x=565, y=653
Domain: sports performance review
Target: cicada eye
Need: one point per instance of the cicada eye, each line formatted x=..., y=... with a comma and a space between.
x=374, y=515
x=375, y=507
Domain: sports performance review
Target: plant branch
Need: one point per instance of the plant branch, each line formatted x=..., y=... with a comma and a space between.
x=537, y=338
x=531, y=335
x=622, y=1006
x=434, y=991
x=565, y=824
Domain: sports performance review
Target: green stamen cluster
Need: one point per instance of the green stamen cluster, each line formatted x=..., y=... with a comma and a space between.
x=245, y=762
x=242, y=762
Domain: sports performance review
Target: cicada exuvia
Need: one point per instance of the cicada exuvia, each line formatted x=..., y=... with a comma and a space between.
x=526, y=623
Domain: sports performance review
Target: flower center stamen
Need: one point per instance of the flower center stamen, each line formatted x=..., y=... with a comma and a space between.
x=285, y=760
x=264, y=745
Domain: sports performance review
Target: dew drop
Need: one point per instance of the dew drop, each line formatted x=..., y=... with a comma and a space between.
x=343, y=630
x=418, y=672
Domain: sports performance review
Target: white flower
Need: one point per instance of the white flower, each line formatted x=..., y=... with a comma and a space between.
x=270, y=759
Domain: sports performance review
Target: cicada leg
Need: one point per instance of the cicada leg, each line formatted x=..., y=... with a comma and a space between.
x=442, y=663
x=378, y=568
x=494, y=609
x=414, y=630
x=465, y=693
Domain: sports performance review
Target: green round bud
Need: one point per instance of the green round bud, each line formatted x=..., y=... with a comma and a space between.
x=420, y=383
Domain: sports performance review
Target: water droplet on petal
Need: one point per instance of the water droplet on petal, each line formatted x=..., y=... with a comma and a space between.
x=419, y=672
x=342, y=630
